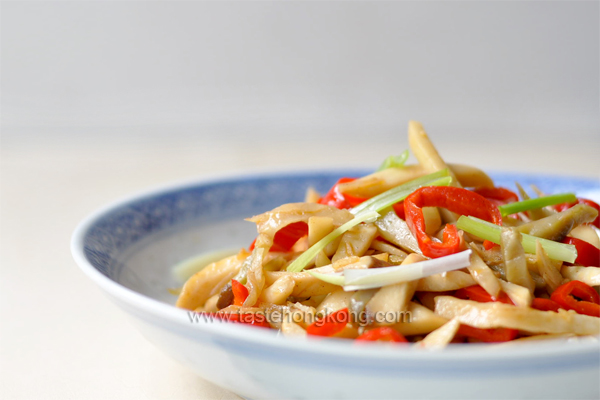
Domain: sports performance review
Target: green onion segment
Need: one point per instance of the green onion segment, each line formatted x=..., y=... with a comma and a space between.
x=335, y=279
x=359, y=279
x=540, y=202
x=394, y=161
x=492, y=232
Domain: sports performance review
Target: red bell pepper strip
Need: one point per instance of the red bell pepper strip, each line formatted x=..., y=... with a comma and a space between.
x=286, y=237
x=458, y=200
x=338, y=199
x=240, y=293
x=253, y=244
x=399, y=209
x=498, y=195
x=588, y=255
x=248, y=318
x=565, y=206
x=489, y=245
x=545, y=304
x=488, y=335
x=577, y=296
x=330, y=324
x=382, y=334
x=477, y=293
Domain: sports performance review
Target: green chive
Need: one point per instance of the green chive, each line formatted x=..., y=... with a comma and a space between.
x=533, y=204
x=394, y=161
x=491, y=232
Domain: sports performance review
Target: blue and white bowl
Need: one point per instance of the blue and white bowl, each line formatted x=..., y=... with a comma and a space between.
x=130, y=247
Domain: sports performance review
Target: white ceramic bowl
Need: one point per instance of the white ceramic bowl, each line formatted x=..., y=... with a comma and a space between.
x=129, y=248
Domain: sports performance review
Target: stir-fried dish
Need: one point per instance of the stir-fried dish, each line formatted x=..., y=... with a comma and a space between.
x=430, y=253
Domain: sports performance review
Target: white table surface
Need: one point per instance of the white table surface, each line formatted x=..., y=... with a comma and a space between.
x=60, y=337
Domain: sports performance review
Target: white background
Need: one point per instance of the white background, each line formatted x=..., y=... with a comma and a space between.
x=103, y=99
x=513, y=72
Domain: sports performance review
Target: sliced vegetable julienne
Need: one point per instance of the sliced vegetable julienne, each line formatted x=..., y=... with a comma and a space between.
x=209, y=281
x=448, y=281
x=540, y=202
x=483, y=275
x=588, y=275
x=394, y=161
x=389, y=197
x=358, y=279
x=396, y=231
x=302, y=261
x=557, y=225
x=499, y=315
x=441, y=336
x=518, y=294
x=371, y=278
x=305, y=285
x=491, y=232
x=336, y=278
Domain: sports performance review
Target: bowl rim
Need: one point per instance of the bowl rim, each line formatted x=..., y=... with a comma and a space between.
x=313, y=346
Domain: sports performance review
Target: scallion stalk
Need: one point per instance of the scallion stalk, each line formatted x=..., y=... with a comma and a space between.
x=540, y=202
x=394, y=161
x=359, y=279
x=492, y=232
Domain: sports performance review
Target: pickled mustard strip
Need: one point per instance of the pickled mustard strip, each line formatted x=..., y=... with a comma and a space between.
x=499, y=315
x=441, y=336
x=483, y=275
